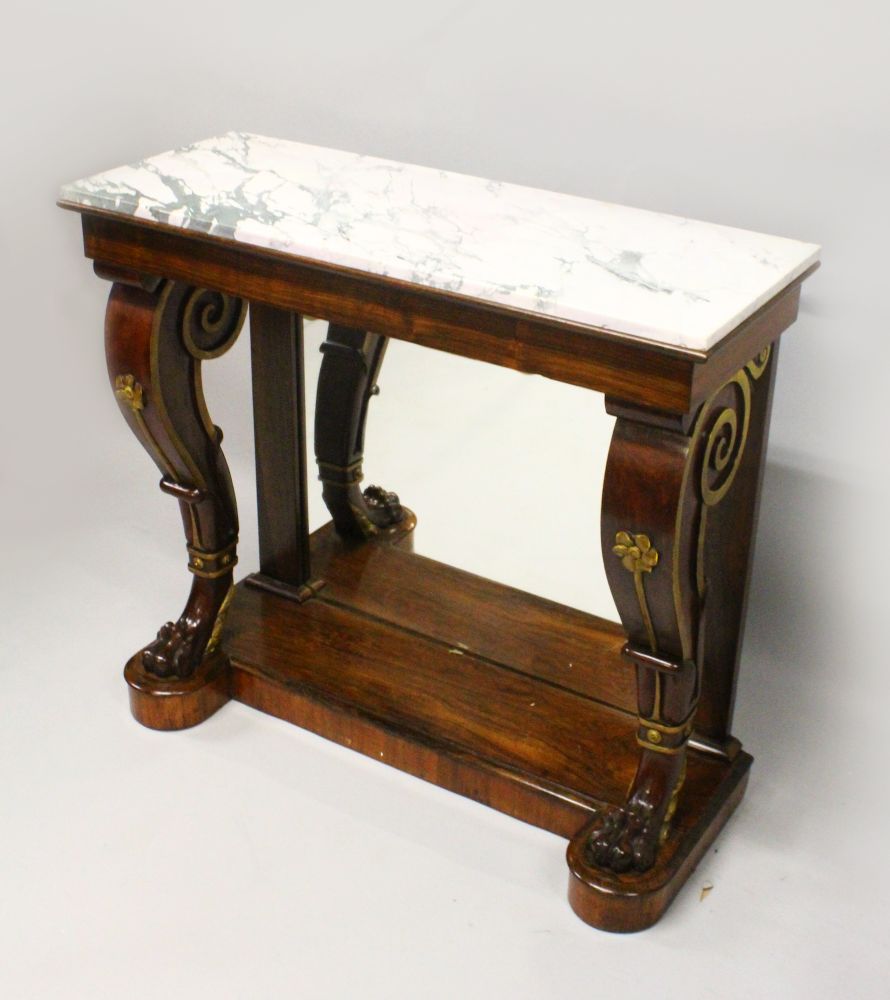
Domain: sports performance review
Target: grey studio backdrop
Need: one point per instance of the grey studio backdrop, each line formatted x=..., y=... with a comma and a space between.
x=246, y=858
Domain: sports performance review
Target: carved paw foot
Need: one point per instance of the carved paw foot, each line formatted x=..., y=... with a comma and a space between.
x=177, y=651
x=383, y=506
x=182, y=646
x=625, y=837
x=628, y=837
x=370, y=511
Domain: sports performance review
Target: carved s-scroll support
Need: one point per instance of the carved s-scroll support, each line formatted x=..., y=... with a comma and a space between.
x=155, y=340
x=677, y=574
x=346, y=383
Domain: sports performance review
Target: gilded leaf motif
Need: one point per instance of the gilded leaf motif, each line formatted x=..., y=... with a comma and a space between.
x=636, y=552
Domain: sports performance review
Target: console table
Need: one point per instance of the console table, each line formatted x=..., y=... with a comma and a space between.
x=615, y=736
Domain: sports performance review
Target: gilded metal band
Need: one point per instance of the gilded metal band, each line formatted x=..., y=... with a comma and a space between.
x=211, y=565
x=662, y=728
x=341, y=484
x=212, y=555
x=652, y=739
x=342, y=476
x=357, y=464
x=213, y=574
x=652, y=734
x=656, y=748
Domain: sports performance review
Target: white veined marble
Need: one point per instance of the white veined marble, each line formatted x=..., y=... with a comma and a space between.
x=639, y=273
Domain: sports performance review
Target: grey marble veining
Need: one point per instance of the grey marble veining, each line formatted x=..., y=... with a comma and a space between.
x=640, y=273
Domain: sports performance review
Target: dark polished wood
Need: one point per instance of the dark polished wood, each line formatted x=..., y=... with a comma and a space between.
x=155, y=342
x=485, y=705
x=560, y=646
x=346, y=383
x=169, y=703
x=279, y=420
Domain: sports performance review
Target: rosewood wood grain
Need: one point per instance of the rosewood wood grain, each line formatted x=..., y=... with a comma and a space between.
x=557, y=645
x=324, y=666
x=641, y=372
x=171, y=703
x=444, y=697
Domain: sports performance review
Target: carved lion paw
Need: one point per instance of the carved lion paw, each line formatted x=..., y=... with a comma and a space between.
x=624, y=837
x=176, y=652
x=383, y=505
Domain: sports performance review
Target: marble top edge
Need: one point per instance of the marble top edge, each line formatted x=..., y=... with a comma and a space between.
x=384, y=161
x=642, y=336
x=627, y=271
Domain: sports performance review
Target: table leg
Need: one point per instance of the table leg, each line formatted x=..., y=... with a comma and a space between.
x=346, y=383
x=679, y=504
x=156, y=337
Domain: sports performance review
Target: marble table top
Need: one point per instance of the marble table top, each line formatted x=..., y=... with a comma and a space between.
x=639, y=273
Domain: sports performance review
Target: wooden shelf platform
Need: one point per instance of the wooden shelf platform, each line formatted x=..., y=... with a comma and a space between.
x=525, y=706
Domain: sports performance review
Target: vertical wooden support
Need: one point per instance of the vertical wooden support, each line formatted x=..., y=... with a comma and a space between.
x=279, y=411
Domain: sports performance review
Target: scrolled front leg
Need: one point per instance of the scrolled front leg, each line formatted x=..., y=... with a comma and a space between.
x=665, y=544
x=156, y=338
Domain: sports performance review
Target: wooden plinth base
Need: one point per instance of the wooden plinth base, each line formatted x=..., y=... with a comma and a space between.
x=506, y=698
x=634, y=902
x=177, y=704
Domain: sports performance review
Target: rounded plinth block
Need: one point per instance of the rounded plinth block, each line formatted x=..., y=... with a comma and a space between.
x=174, y=703
x=634, y=901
